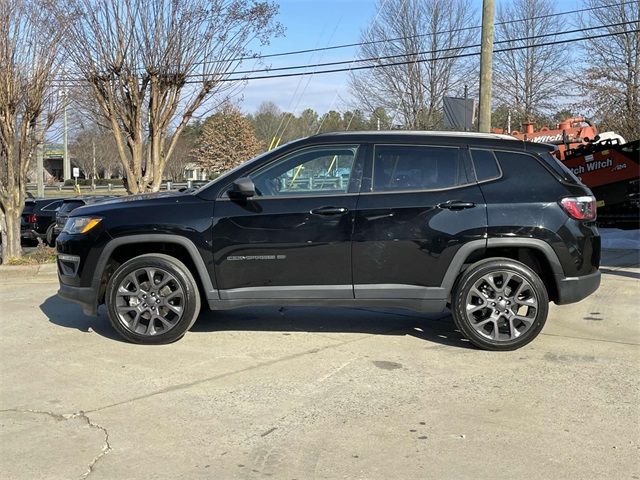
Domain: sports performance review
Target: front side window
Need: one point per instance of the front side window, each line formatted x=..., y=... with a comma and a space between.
x=407, y=167
x=325, y=170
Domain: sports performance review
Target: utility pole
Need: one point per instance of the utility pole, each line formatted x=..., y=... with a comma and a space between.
x=486, y=65
x=466, y=97
x=93, y=177
x=66, y=161
x=39, y=160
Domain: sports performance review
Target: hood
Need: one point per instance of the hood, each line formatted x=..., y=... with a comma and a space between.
x=132, y=201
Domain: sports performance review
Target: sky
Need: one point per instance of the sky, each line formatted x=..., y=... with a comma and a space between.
x=318, y=23
x=311, y=24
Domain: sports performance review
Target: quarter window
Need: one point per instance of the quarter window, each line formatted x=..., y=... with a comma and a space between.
x=485, y=164
x=313, y=171
x=404, y=167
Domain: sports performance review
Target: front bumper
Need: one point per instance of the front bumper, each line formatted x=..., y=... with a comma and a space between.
x=574, y=289
x=86, y=297
x=69, y=288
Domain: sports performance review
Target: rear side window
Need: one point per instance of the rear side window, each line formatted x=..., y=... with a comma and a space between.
x=405, y=167
x=50, y=207
x=486, y=165
x=69, y=206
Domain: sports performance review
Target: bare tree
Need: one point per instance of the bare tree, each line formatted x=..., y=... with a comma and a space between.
x=266, y=122
x=28, y=62
x=425, y=35
x=152, y=63
x=184, y=153
x=611, y=83
x=93, y=147
x=530, y=77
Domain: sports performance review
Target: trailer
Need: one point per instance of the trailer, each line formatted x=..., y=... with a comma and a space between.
x=612, y=172
x=604, y=162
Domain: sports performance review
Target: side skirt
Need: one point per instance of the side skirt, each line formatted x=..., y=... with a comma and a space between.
x=418, y=305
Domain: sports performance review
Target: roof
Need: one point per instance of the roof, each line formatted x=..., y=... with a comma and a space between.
x=426, y=133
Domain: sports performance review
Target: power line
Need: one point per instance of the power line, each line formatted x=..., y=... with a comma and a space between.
x=384, y=65
x=462, y=29
x=424, y=52
x=372, y=42
x=432, y=58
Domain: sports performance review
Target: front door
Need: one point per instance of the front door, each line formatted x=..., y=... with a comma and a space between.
x=293, y=238
x=422, y=206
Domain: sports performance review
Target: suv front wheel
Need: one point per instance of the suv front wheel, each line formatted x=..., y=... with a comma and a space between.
x=152, y=299
x=499, y=304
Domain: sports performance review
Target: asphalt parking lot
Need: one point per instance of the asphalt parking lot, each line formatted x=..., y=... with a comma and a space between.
x=319, y=393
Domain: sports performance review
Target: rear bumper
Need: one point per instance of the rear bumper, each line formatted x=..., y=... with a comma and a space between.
x=574, y=289
x=84, y=296
x=30, y=234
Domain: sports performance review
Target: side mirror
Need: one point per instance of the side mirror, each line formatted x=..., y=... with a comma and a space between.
x=242, y=188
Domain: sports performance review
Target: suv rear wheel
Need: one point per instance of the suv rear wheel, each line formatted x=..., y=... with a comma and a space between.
x=499, y=304
x=152, y=299
x=49, y=236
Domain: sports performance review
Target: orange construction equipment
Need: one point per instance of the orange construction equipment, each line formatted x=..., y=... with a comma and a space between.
x=568, y=134
x=602, y=161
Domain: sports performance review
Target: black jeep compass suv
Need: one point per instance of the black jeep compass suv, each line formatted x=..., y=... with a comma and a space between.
x=490, y=226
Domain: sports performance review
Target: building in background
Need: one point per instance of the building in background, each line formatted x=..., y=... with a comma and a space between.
x=195, y=171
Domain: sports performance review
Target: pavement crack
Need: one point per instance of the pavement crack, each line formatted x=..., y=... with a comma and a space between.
x=106, y=446
x=57, y=416
x=601, y=340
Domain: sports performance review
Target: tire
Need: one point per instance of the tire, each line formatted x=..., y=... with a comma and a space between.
x=152, y=314
x=49, y=236
x=499, y=304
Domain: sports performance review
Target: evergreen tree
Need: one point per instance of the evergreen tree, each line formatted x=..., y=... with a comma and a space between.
x=227, y=140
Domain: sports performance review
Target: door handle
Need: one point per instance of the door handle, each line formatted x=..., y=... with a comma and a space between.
x=329, y=211
x=456, y=205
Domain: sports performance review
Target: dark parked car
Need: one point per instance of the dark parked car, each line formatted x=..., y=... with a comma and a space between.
x=492, y=226
x=39, y=218
x=69, y=205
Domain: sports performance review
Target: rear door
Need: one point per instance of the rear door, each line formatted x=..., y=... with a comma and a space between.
x=421, y=207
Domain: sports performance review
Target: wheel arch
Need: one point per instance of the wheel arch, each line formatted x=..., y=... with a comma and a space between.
x=536, y=254
x=121, y=249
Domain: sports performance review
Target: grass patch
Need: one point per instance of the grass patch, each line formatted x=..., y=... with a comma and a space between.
x=41, y=254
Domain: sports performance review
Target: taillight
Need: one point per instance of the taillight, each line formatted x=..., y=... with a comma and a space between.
x=31, y=218
x=580, y=208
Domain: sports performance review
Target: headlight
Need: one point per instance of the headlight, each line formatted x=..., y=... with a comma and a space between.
x=80, y=224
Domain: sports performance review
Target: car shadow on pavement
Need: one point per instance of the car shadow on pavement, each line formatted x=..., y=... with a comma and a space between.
x=438, y=328
x=66, y=314
x=620, y=273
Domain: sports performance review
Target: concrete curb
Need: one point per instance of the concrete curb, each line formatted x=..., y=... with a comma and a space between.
x=11, y=273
